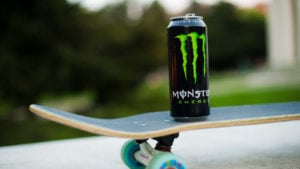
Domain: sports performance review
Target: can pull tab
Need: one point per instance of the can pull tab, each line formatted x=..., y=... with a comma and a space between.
x=190, y=14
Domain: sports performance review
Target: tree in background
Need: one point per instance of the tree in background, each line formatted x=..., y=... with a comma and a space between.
x=56, y=47
x=129, y=51
x=237, y=37
x=40, y=41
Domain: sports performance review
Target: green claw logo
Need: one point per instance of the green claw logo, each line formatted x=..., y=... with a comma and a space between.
x=194, y=39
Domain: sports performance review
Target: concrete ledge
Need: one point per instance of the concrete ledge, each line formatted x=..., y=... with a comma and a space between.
x=266, y=146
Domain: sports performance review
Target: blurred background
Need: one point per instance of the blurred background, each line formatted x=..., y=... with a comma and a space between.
x=109, y=58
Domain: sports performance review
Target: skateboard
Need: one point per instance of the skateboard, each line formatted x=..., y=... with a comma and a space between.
x=160, y=126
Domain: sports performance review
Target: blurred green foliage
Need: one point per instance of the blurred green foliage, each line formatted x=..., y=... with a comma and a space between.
x=53, y=48
x=237, y=37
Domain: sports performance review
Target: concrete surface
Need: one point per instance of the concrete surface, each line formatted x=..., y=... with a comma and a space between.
x=267, y=146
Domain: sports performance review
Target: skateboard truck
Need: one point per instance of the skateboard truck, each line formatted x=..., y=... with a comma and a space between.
x=139, y=153
x=164, y=143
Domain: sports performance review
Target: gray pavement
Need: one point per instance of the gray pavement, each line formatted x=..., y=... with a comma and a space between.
x=266, y=146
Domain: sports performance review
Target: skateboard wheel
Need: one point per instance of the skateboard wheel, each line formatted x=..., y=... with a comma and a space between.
x=127, y=154
x=166, y=161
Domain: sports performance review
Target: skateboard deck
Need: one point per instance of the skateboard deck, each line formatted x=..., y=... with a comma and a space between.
x=157, y=124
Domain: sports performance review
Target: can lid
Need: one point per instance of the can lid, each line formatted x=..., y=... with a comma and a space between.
x=187, y=16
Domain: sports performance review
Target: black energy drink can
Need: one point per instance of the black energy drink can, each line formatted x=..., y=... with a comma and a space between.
x=188, y=68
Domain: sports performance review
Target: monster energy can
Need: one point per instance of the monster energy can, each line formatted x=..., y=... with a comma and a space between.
x=188, y=68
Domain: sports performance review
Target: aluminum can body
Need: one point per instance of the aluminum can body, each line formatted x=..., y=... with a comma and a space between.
x=188, y=68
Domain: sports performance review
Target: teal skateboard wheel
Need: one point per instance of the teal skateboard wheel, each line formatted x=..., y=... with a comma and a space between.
x=127, y=154
x=166, y=161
